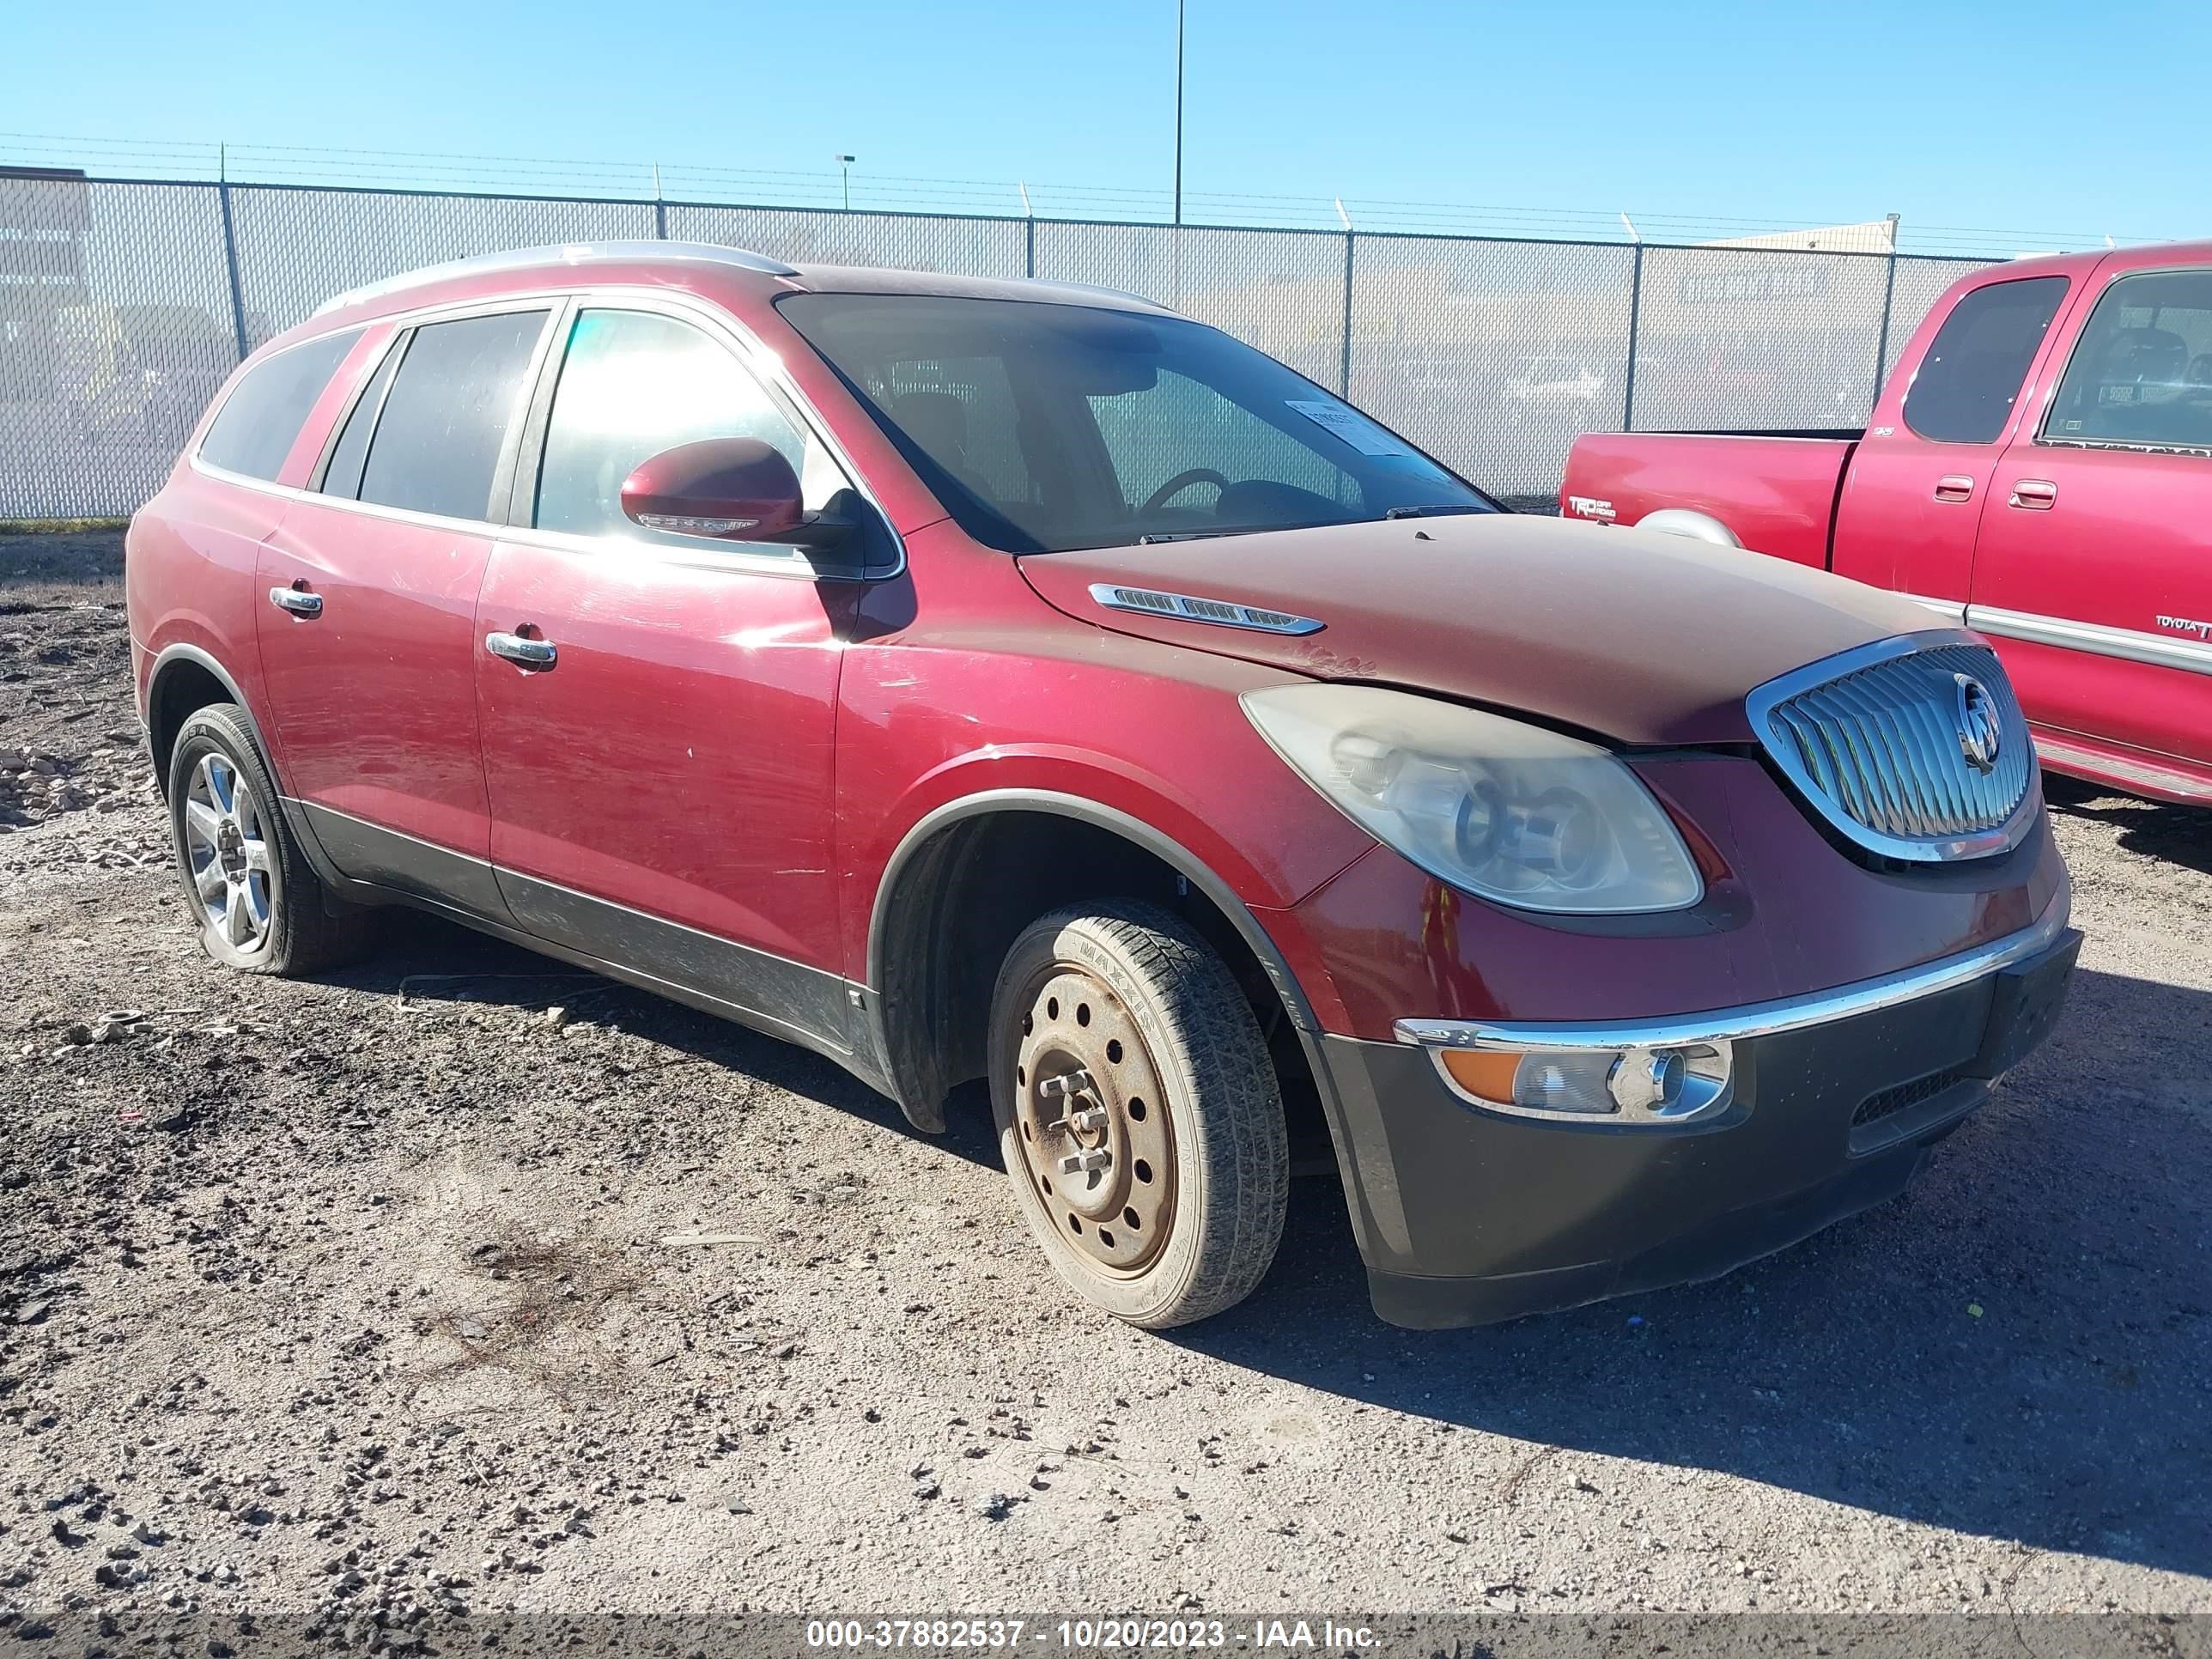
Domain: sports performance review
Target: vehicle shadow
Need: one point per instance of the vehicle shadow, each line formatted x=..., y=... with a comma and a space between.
x=427, y=959
x=2017, y=1347
x=2175, y=835
x=2067, y=1414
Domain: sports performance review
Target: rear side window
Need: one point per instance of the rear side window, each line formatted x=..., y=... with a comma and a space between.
x=2141, y=374
x=1964, y=390
x=260, y=422
x=453, y=399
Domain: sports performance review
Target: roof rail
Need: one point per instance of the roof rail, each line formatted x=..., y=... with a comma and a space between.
x=1103, y=292
x=571, y=253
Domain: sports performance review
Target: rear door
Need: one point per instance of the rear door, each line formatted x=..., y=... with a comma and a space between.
x=1914, y=491
x=661, y=790
x=368, y=637
x=2094, y=571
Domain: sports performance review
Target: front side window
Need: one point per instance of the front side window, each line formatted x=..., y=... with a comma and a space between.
x=1044, y=426
x=2142, y=371
x=453, y=401
x=261, y=419
x=635, y=383
x=1965, y=389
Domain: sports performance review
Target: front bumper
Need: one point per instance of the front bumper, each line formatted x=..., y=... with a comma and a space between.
x=1466, y=1215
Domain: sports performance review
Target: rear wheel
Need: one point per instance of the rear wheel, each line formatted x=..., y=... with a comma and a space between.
x=1138, y=1113
x=260, y=907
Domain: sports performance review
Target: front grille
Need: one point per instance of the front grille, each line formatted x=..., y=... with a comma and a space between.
x=1877, y=741
x=1902, y=1097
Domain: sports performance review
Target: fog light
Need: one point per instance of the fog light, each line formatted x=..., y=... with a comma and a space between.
x=1632, y=1085
x=1647, y=1079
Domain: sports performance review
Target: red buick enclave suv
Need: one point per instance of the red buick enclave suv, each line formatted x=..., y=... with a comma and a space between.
x=982, y=679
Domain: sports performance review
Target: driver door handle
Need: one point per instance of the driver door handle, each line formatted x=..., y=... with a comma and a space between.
x=299, y=603
x=1957, y=486
x=530, y=653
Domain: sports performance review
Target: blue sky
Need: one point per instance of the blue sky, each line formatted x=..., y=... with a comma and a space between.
x=2050, y=121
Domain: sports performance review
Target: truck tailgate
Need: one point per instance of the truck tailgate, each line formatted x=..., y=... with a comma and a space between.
x=1778, y=494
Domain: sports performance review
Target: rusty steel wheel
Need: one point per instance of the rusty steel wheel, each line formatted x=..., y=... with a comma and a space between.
x=1138, y=1112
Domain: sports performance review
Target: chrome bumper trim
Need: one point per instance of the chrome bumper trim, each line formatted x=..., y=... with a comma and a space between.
x=1757, y=1019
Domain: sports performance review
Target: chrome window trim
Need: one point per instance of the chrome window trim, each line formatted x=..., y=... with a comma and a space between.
x=2127, y=644
x=758, y=360
x=1751, y=1020
x=1759, y=706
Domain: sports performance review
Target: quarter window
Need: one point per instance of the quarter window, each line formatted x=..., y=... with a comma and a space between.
x=2141, y=373
x=342, y=476
x=635, y=383
x=453, y=401
x=1965, y=387
x=260, y=421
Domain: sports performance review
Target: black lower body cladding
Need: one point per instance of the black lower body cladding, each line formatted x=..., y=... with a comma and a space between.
x=1466, y=1217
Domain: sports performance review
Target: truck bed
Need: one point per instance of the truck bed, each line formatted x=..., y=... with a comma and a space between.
x=1776, y=491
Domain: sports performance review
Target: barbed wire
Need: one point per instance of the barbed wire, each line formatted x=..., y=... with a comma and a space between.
x=465, y=172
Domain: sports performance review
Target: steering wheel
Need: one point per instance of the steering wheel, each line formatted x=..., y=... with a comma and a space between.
x=1183, y=481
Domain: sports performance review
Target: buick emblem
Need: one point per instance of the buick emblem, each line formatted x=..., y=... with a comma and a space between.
x=1981, y=732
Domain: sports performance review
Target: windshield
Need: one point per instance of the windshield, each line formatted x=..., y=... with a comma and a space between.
x=1043, y=427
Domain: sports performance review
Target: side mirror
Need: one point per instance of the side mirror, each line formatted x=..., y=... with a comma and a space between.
x=731, y=489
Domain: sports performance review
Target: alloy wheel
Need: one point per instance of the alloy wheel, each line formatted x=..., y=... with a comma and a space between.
x=227, y=852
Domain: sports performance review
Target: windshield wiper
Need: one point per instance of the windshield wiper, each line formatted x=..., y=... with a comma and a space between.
x=1156, y=538
x=1433, y=510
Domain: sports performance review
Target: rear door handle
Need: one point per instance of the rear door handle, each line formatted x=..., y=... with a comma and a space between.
x=1955, y=488
x=530, y=654
x=2039, y=495
x=298, y=603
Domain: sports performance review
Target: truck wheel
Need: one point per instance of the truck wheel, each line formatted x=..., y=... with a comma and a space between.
x=1138, y=1113
x=261, y=908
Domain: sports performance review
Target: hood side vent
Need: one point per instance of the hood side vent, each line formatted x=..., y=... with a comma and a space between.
x=1190, y=608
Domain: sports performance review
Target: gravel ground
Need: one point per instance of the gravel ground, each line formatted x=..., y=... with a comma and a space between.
x=358, y=1297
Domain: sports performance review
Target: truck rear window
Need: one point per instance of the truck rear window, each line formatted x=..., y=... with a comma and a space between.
x=1965, y=389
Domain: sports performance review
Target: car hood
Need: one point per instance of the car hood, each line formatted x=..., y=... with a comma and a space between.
x=1634, y=636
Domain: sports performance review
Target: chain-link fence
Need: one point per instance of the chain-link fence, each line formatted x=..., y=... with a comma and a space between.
x=123, y=304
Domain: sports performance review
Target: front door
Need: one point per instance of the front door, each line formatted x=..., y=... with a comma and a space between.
x=368, y=637
x=1918, y=483
x=2095, y=572
x=661, y=778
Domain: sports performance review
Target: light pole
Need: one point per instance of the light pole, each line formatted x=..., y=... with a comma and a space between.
x=846, y=162
x=1178, y=157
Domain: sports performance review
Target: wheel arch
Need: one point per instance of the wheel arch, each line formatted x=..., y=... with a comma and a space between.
x=930, y=904
x=178, y=684
x=1689, y=521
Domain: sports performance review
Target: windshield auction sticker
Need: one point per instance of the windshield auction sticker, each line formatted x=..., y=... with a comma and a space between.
x=1349, y=424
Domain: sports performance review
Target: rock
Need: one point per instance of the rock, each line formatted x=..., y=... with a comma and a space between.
x=997, y=1507
x=30, y=1313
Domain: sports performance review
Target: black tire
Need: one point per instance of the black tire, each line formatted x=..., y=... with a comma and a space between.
x=1168, y=1017
x=288, y=924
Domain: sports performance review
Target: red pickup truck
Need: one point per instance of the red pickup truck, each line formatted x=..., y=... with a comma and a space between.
x=2039, y=467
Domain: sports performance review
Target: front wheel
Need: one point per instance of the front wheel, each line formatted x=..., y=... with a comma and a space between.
x=1138, y=1113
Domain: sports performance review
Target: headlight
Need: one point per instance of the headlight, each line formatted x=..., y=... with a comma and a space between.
x=1509, y=811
